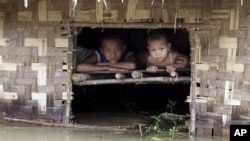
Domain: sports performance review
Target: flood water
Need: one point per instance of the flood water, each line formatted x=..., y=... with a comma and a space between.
x=15, y=131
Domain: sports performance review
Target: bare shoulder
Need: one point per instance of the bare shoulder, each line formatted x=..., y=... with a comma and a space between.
x=178, y=54
x=91, y=59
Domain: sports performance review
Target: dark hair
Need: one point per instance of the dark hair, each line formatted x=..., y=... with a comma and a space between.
x=157, y=34
x=111, y=36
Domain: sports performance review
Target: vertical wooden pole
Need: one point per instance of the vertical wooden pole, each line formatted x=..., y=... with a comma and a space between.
x=193, y=85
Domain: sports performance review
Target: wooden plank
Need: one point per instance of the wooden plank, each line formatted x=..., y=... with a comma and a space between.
x=19, y=89
x=225, y=76
x=82, y=16
x=25, y=16
x=204, y=67
x=223, y=109
x=42, y=101
x=218, y=52
x=60, y=42
x=243, y=60
x=35, y=16
x=239, y=68
x=54, y=16
x=241, y=95
x=41, y=69
x=142, y=14
x=205, y=10
x=8, y=66
x=110, y=15
x=200, y=132
x=130, y=10
x=42, y=10
x=50, y=38
x=3, y=42
x=40, y=43
x=49, y=89
x=217, y=83
x=209, y=92
x=8, y=95
x=205, y=124
x=1, y=88
x=220, y=14
x=234, y=19
x=99, y=11
x=24, y=81
x=225, y=42
x=1, y=24
x=165, y=15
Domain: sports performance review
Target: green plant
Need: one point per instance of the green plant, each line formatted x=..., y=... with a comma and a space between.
x=172, y=133
x=171, y=105
x=166, y=125
x=157, y=122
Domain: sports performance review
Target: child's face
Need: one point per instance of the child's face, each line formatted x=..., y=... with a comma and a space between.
x=159, y=49
x=112, y=50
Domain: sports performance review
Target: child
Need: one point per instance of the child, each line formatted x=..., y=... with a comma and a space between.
x=161, y=55
x=112, y=55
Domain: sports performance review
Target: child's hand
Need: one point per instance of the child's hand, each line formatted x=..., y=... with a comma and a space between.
x=170, y=68
x=152, y=68
x=181, y=61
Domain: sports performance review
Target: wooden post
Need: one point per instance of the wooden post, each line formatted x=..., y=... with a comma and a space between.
x=193, y=85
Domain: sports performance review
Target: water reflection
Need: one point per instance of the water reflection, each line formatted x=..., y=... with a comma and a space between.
x=12, y=131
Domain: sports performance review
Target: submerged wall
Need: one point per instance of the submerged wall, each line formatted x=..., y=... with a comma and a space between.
x=34, y=60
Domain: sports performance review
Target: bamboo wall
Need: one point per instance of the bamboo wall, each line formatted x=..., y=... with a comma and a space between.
x=35, y=57
x=35, y=63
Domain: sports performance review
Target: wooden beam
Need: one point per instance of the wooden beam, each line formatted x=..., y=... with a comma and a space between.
x=77, y=126
x=201, y=25
x=152, y=80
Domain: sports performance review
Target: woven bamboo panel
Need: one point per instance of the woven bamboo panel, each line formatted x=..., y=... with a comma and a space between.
x=34, y=59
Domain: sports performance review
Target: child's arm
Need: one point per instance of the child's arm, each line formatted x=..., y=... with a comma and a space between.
x=90, y=64
x=129, y=64
x=151, y=67
x=180, y=61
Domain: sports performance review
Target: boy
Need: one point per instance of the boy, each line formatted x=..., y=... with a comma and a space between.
x=161, y=55
x=112, y=55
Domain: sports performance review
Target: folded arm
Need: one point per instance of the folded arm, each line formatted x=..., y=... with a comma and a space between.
x=90, y=64
x=129, y=64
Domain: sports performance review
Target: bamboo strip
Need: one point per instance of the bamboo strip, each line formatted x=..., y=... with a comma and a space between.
x=131, y=10
x=1, y=24
x=99, y=11
x=42, y=10
x=68, y=125
x=140, y=25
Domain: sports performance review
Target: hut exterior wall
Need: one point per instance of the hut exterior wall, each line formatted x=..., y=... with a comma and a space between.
x=34, y=60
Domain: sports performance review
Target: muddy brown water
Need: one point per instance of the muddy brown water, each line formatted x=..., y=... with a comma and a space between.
x=110, y=119
x=16, y=131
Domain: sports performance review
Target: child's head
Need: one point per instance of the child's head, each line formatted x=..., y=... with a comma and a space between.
x=158, y=44
x=112, y=46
